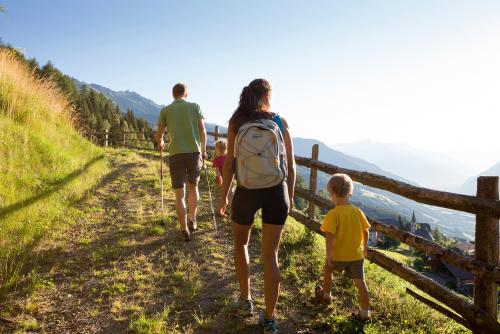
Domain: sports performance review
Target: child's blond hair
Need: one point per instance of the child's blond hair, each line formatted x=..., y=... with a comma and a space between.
x=221, y=145
x=340, y=185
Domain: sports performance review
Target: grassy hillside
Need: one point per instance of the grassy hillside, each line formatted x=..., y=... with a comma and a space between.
x=45, y=165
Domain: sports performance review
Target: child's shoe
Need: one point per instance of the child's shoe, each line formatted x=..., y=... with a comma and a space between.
x=319, y=296
x=269, y=326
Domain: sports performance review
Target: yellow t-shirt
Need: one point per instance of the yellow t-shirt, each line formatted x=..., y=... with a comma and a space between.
x=346, y=223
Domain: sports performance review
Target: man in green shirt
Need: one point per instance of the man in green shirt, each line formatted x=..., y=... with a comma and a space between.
x=187, y=147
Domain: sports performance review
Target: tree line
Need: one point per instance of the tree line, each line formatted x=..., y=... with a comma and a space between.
x=95, y=113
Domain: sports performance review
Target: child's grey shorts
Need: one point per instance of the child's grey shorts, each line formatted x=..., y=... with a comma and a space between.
x=353, y=269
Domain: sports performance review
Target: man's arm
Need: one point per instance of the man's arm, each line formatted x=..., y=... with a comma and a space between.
x=159, y=136
x=203, y=137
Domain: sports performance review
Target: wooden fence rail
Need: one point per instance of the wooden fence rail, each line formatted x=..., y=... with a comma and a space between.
x=443, y=199
x=476, y=267
x=120, y=137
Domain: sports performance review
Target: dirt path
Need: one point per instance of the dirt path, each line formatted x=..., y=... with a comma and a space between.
x=119, y=270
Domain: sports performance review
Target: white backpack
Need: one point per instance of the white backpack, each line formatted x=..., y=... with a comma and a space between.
x=260, y=155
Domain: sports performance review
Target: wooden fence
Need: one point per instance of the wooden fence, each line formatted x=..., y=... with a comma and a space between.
x=122, y=138
x=479, y=316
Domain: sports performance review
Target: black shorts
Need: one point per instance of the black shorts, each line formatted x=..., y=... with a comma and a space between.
x=185, y=166
x=273, y=201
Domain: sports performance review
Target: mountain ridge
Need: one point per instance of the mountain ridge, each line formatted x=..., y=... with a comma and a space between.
x=469, y=186
x=427, y=168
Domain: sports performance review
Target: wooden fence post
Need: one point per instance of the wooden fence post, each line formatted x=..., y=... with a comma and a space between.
x=123, y=139
x=106, y=138
x=485, y=289
x=313, y=180
x=216, y=136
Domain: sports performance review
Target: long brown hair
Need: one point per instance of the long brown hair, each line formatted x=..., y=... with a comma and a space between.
x=254, y=103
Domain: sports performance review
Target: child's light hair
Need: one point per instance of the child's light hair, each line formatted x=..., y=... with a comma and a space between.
x=221, y=145
x=340, y=185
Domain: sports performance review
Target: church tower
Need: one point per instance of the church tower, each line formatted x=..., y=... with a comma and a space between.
x=413, y=224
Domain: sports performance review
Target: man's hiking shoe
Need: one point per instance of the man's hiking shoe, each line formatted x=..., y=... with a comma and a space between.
x=186, y=235
x=362, y=315
x=243, y=308
x=269, y=326
x=192, y=225
x=319, y=296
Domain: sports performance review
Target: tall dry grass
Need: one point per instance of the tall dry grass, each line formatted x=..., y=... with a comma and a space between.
x=21, y=88
x=45, y=165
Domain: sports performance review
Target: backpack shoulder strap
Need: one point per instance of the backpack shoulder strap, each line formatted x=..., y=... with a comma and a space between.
x=277, y=119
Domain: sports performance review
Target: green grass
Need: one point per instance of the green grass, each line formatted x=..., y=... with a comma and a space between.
x=45, y=168
x=155, y=324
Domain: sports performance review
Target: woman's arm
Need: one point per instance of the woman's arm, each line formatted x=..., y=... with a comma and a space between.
x=228, y=170
x=290, y=157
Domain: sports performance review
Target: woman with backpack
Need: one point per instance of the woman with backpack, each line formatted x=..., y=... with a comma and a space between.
x=264, y=165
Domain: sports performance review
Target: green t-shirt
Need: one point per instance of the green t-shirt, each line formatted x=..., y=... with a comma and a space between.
x=181, y=120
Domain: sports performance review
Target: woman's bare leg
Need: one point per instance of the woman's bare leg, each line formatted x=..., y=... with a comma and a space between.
x=271, y=235
x=241, y=237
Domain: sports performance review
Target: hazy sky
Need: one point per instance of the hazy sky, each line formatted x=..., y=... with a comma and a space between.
x=426, y=73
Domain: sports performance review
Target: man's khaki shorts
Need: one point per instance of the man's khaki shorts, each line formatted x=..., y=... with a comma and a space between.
x=185, y=166
x=353, y=269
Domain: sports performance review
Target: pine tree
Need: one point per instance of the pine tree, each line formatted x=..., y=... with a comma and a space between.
x=94, y=111
x=299, y=202
x=437, y=235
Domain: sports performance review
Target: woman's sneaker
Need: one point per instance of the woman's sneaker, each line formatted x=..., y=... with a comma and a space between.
x=243, y=308
x=269, y=326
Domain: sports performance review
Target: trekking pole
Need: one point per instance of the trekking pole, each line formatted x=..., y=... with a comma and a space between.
x=161, y=180
x=211, y=201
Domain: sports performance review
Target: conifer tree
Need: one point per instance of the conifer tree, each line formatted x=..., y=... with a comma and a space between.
x=94, y=111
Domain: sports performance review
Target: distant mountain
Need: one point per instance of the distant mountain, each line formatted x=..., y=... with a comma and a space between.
x=428, y=169
x=141, y=106
x=381, y=204
x=470, y=186
x=302, y=147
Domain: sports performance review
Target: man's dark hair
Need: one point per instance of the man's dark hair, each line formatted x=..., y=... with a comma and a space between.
x=179, y=90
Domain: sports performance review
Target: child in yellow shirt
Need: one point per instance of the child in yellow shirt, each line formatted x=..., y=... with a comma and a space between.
x=346, y=233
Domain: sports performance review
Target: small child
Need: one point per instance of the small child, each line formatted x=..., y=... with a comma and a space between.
x=220, y=158
x=346, y=234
